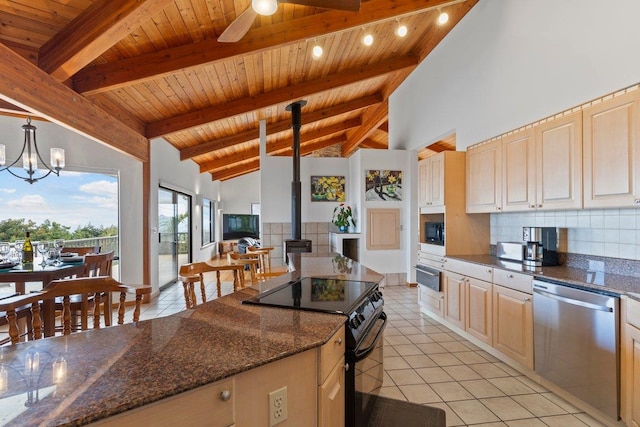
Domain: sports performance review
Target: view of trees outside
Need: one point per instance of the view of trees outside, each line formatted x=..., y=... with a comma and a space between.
x=74, y=205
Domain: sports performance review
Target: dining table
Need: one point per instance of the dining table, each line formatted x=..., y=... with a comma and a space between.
x=21, y=274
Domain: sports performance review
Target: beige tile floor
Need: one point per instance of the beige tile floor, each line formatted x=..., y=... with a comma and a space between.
x=427, y=363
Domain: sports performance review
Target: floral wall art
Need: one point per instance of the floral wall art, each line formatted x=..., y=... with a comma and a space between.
x=383, y=185
x=327, y=189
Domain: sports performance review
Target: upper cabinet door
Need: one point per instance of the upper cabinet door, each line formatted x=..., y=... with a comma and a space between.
x=519, y=169
x=559, y=163
x=435, y=195
x=484, y=178
x=611, y=153
x=423, y=181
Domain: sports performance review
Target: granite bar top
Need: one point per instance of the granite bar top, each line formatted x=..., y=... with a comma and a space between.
x=115, y=369
x=603, y=281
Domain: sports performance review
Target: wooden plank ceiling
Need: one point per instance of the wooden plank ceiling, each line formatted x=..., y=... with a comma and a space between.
x=145, y=69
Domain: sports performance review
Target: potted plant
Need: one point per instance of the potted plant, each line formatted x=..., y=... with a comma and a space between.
x=343, y=217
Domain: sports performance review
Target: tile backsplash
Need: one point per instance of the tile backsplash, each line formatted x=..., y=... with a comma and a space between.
x=601, y=232
x=274, y=233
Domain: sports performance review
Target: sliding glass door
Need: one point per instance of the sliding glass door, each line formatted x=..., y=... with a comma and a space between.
x=174, y=233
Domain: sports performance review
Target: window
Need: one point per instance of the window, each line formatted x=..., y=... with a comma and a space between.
x=208, y=221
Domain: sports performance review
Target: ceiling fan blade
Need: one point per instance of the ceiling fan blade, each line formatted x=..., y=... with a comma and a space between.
x=350, y=5
x=239, y=27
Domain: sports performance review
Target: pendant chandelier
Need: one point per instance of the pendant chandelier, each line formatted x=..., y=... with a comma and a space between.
x=30, y=156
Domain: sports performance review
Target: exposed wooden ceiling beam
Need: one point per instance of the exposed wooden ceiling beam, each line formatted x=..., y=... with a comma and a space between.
x=23, y=84
x=384, y=127
x=287, y=94
x=277, y=147
x=372, y=119
x=235, y=171
x=94, y=31
x=281, y=126
x=370, y=143
x=161, y=63
x=7, y=107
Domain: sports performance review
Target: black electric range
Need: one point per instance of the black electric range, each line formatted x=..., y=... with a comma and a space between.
x=360, y=301
x=362, y=304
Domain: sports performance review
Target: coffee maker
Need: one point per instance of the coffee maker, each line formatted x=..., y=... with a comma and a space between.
x=541, y=246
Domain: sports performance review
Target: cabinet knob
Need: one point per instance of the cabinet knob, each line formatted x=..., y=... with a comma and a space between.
x=636, y=201
x=510, y=276
x=526, y=299
x=346, y=366
x=488, y=270
x=540, y=205
x=498, y=208
x=339, y=341
x=225, y=395
x=532, y=206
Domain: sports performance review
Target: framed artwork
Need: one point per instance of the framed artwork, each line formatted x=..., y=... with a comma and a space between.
x=383, y=185
x=327, y=189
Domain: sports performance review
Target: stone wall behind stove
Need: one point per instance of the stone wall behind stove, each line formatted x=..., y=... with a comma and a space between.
x=272, y=234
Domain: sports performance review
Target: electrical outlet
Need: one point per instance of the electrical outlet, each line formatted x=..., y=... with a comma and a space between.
x=277, y=406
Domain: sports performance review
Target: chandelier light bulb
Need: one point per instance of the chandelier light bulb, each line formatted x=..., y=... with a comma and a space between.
x=367, y=40
x=317, y=52
x=265, y=7
x=443, y=18
x=401, y=31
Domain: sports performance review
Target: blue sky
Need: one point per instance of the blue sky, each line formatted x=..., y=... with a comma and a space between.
x=73, y=199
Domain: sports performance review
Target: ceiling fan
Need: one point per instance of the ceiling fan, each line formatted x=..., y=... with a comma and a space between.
x=241, y=25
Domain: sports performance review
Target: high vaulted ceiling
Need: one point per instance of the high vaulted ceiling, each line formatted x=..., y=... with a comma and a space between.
x=126, y=71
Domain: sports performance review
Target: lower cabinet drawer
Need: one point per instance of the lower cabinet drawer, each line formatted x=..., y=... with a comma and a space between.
x=211, y=405
x=512, y=280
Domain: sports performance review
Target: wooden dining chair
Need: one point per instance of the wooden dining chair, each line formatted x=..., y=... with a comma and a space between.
x=248, y=259
x=95, y=264
x=22, y=316
x=65, y=288
x=265, y=259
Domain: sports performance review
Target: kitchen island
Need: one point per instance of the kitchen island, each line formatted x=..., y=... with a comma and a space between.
x=117, y=369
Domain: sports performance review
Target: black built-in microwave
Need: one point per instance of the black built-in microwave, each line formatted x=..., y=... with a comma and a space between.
x=434, y=233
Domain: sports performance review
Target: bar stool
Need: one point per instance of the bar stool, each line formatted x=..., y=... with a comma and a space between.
x=264, y=255
x=189, y=275
x=252, y=260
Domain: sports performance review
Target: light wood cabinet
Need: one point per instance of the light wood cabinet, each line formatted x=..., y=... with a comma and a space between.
x=484, y=178
x=518, y=169
x=431, y=301
x=383, y=229
x=542, y=166
x=478, y=319
x=331, y=371
x=431, y=183
x=453, y=285
x=210, y=405
x=611, y=148
x=558, y=154
x=513, y=324
x=630, y=369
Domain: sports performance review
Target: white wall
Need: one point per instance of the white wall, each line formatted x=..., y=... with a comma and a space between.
x=184, y=176
x=386, y=261
x=239, y=193
x=509, y=63
x=83, y=154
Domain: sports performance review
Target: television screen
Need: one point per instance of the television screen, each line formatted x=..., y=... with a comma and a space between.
x=235, y=226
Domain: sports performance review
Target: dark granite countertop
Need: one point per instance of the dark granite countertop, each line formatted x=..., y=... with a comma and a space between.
x=115, y=369
x=588, y=279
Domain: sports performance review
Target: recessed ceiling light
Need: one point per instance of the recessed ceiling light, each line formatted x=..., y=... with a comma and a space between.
x=367, y=39
x=401, y=31
x=316, y=52
x=443, y=18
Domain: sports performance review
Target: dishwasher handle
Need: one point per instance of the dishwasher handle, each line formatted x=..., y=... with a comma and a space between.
x=572, y=301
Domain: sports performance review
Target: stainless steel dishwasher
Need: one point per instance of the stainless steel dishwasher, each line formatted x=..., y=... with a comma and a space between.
x=577, y=344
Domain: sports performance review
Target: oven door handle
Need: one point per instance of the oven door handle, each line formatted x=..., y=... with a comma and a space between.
x=364, y=353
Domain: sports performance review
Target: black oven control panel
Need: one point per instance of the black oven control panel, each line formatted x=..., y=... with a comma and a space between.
x=361, y=319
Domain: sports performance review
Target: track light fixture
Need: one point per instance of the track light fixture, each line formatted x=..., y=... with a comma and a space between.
x=443, y=17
